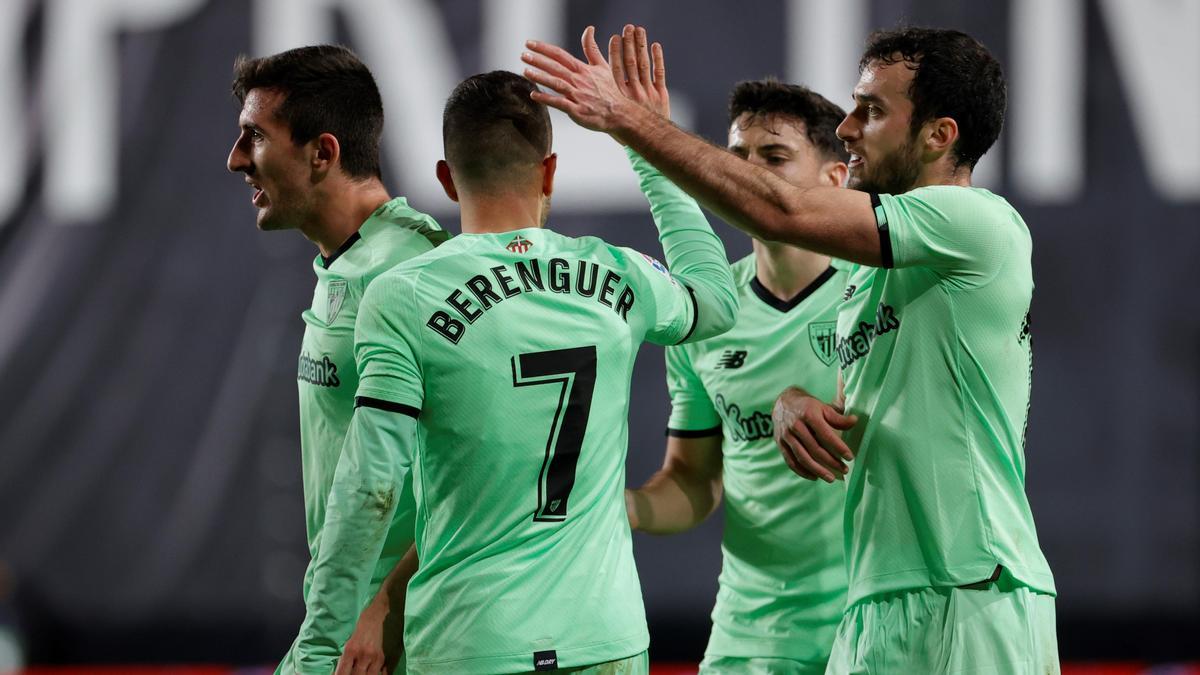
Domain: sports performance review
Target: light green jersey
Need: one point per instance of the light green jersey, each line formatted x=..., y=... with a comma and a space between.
x=326, y=374
x=783, y=575
x=513, y=354
x=935, y=354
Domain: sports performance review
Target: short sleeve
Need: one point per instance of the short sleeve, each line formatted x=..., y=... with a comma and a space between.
x=386, y=347
x=692, y=412
x=958, y=232
x=667, y=306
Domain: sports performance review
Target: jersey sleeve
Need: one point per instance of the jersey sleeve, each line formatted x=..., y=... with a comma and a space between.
x=694, y=254
x=692, y=412
x=367, y=487
x=955, y=231
x=386, y=345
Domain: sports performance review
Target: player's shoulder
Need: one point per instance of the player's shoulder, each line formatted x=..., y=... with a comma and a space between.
x=396, y=232
x=954, y=201
x=744, y=270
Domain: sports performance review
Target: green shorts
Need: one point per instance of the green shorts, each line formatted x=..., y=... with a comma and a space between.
x=758, y=665
x=638, y=664
x=1002, y=628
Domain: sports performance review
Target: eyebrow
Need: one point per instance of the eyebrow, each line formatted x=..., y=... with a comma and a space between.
x=867, y=98
x=775, y=147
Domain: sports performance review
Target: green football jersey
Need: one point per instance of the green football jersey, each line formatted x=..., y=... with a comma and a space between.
x=935, y=355
x=783, y=574
x=326, y=374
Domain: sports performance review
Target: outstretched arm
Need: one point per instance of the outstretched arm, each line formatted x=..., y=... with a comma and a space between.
x=828, y=220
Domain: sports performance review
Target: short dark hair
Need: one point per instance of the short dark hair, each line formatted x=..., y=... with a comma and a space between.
x=955, y=76
x=326, y=89
x=491, y=126
x=769, y=96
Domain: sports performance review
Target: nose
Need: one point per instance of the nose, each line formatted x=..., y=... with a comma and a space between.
x=848, y=130
x=239, y=159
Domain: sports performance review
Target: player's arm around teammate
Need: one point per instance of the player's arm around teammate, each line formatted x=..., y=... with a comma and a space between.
x=378, y=638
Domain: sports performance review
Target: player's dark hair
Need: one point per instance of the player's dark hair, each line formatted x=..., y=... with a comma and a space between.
x=326, y=89
x=820, y=116
x=955, y=76
x=490, y=126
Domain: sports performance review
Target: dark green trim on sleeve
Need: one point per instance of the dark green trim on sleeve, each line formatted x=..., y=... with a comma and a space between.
x=695, y=315
x=694, y=433
x=885, y=236
x=389, y=406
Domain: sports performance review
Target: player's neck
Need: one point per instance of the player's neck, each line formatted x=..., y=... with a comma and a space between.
x=341, y=214
x=483, y=214
x=786, y=270
x=944, y=172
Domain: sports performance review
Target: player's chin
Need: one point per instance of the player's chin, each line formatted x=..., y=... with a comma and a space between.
x=269, y=220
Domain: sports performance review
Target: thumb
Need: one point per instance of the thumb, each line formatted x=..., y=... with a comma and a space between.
x=838, y=420
x=591, y=50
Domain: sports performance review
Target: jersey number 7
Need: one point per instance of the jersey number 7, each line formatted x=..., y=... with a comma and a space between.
x=574, y=371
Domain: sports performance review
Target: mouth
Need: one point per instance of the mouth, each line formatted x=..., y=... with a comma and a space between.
x=855, y=160
x=259, y=199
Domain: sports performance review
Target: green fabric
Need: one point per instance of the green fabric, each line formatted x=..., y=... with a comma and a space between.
x=326, y=375
x=783, y=577
x=516, y=352
x=743, y=665
x=936, y=359
x=1003, y=629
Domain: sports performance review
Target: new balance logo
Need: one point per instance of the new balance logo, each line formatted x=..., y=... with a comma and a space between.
x=731, y=358
x=849, y=292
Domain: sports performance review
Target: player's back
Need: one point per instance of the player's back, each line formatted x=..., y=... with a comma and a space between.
x=526, y=346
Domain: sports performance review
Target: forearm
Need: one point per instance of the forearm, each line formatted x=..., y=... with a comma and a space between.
x=671, y=502
x=749, y=197
x=694, y=253
x=362, y=503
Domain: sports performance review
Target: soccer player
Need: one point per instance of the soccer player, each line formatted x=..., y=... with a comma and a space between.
x=783, y=574
x=311, y=123
x=944, y=568
x=496, y=369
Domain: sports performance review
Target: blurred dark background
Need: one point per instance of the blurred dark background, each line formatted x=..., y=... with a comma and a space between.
x=150, y=497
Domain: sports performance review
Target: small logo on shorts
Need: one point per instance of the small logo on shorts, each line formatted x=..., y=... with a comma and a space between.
x=519, y=244
x=547, y=660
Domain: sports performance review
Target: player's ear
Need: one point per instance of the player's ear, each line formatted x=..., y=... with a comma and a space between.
x=549, y=166
x=939, y=135
x=447, y=180
x=834, y=174
x=327, y=153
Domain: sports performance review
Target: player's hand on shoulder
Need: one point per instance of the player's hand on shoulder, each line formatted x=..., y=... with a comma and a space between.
x=807, y=433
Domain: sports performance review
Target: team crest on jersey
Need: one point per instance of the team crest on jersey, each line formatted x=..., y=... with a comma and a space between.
x=337, y=296
x=519, y=244
x=822, y=335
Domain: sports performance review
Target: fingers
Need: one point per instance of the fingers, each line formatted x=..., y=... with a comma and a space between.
x=813, y=457
x=629, y=54
x=591, y=50
x=554, y=52
x=345, y=665
x=547, y=65
x=833, y=445
x=643, y=57
x=615, y=61
x=838, y=420
x=557, y=102
x=660, y=69
x=790, y=448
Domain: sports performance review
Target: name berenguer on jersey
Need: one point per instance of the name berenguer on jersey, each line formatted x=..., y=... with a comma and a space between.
x=507, y=281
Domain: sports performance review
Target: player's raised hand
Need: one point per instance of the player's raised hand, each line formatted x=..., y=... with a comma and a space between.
x=639, y=75
x=806, y=431
x=585, y=91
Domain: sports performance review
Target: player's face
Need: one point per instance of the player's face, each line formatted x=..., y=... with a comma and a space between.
x=779, y=144
x=884, y=156
x=276, y=168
